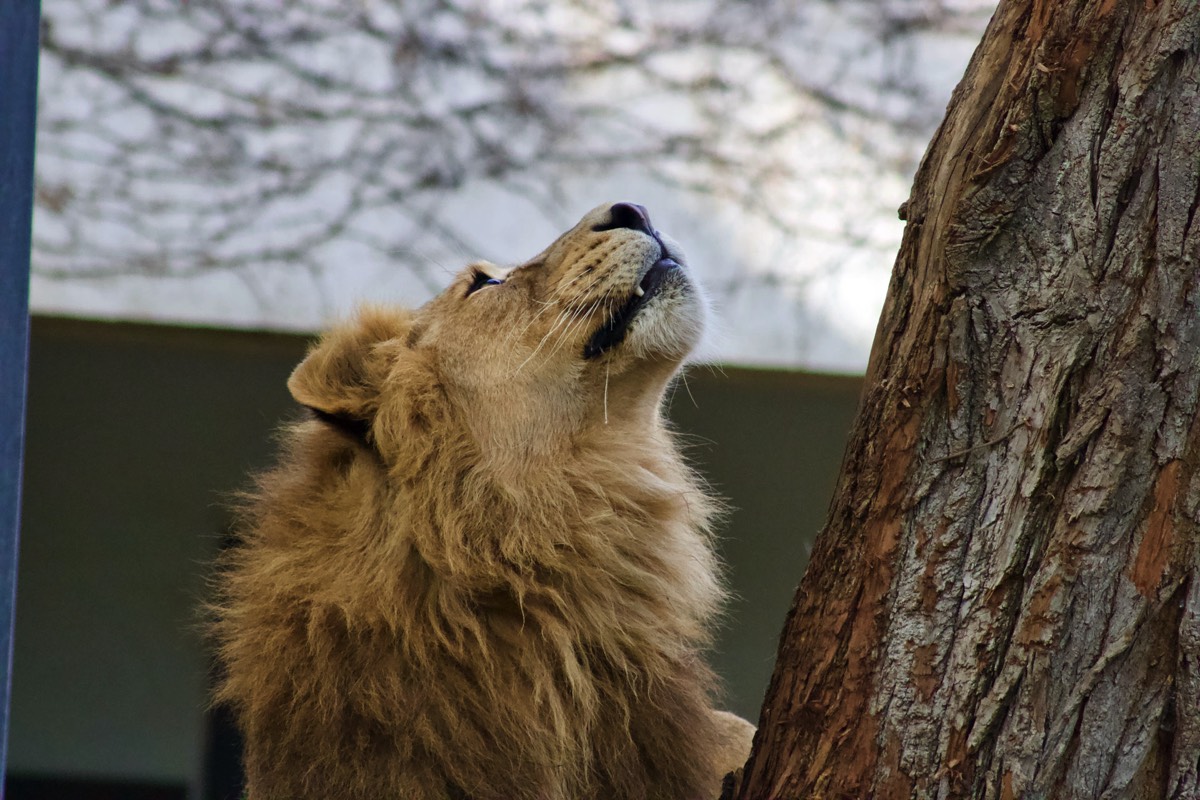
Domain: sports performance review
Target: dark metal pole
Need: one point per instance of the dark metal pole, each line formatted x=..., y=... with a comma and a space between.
x=18, y=108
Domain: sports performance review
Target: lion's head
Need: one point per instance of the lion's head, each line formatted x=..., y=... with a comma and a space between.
x=587, y=332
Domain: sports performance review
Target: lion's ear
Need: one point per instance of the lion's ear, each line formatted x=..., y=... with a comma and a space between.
x=341, y=377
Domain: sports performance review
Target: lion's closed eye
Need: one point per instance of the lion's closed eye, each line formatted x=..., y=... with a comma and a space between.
x=480, y=280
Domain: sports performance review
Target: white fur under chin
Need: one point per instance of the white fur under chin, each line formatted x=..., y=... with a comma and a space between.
x=672, y=324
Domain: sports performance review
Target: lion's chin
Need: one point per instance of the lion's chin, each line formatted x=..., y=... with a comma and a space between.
x=663, y=274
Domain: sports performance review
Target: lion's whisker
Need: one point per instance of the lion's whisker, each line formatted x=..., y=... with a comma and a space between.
x=546, y=305
x=607, y=367
x=559, y=321
x=581, y=317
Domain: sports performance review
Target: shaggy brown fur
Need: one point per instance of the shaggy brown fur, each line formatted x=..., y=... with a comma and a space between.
x=483, y=571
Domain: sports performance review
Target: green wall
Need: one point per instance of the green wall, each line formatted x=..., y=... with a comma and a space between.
x=136, y=434
x=771, y=444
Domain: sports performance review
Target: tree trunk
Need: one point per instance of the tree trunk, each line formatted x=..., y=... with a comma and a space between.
x=1004, y=602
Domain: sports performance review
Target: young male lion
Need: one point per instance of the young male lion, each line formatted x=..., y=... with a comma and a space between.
x=481, y=569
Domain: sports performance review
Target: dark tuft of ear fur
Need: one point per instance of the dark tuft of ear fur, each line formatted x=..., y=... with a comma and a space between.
x=359, y=429
x=341, y=377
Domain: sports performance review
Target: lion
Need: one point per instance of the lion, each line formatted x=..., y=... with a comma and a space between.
x=481, y=568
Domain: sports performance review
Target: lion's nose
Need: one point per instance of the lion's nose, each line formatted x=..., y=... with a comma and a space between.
x=630, y=215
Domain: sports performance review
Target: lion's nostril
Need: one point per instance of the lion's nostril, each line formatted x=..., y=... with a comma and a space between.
x=627, y=215
x=630, y=215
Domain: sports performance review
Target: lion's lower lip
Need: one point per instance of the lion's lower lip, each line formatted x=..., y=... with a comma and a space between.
x=613, y=331
x=653, y=279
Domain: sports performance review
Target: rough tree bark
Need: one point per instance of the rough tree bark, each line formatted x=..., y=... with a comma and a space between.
x=1005, y=601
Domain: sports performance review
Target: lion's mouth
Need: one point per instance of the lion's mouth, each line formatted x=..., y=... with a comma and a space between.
x=613, y=331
